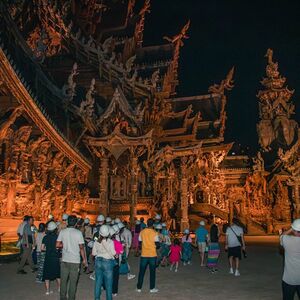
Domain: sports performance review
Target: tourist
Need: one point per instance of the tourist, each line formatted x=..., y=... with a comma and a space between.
x=126, y=238
x=99, y=222
x=51, y=265
x=175, y=254
x=165, y=245
x=63, y=224
x=201, y=240
x=187, y=248
x=157, y=219
x=136, y=233
x=88, y=237
x=213, y=248
x=72, y=244
x=20, y=230
x=149, y=242
x=113, y=232
x=290, y=241
x=234, y=244
x=104, y=252
x=143, y=225
x=28, y=243
x=40, y=254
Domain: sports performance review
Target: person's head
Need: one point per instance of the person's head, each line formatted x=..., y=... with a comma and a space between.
x=30, y=220
x=158, y=227
x=51, y=227
x=137, y=222
x=121, y=227
x=108, y=220
x=117, y=221
x=186, y=232
x=150, y=223
x=86, y=221
x=65, y=218
x=104, y=231
x=142, y=220
x=42, y=227
x=202, y=223
x=72, y=220
x=157, y=217
x=100, y=220
x=25, y=218
x=176, y=242
x=296, y=227
x=236, y=221
x=50, y=217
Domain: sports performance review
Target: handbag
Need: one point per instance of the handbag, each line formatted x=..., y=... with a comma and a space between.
x=237, y=236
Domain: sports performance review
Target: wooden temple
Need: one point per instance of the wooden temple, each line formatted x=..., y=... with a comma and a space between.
x=90, y=123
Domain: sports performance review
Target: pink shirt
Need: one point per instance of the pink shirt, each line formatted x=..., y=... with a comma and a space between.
x=175, y=253
x=118, y=247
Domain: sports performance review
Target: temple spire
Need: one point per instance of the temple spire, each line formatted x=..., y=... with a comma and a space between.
x=276, y=129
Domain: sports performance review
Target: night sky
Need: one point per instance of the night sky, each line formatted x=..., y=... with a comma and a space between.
x=231, y=33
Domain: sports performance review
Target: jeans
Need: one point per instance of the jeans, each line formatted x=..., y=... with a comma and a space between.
x=69, y=272
x=26, y=257
x=144, y=262
x=289, y=291
x=104, y=272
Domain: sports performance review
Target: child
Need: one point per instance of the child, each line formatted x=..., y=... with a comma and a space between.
x=175, y=254
x=186, y=247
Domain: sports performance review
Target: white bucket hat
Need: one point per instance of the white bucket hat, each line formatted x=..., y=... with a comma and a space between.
x=296, y=225
x=51, y=226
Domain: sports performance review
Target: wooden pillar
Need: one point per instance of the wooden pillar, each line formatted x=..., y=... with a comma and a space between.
x=296, y=201
x=133, y=188
x=184, y=223
x=104, y=183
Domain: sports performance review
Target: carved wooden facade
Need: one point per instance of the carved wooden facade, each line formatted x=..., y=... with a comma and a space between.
x=90, y=122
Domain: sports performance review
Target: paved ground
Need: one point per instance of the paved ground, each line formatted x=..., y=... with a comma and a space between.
x=260, y=279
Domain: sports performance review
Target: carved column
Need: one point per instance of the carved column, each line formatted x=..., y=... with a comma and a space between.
x=184, y=223
x=103, y=181
x=296, y=201
x=133, y=188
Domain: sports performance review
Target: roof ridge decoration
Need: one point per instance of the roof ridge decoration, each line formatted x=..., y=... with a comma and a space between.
x=118, y=100
x=171, y=77
x=139, y=28
x=276, y=129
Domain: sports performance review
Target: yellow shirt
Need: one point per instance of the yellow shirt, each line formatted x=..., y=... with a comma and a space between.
x=148, y=237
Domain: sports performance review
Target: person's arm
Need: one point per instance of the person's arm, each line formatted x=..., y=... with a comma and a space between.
x=83, y=255
x=243, y=242
x=59, y=243
x=157, y=243
x=287, y=232
x=43, y=248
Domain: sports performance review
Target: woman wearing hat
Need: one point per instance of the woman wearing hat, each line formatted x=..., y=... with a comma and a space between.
x=104, y=251
x=52, y=264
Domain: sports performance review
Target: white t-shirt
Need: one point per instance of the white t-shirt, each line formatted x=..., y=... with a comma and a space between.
x=231, y=236
x=291, y=245
x=105, y=249
x=126, y=236
x=21, y=228
x=71, y=238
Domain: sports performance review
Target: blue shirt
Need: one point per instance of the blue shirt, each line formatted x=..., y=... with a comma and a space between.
x=201, y=234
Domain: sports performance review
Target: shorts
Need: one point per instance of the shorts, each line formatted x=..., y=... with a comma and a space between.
x=201, y=246
x=235, y=252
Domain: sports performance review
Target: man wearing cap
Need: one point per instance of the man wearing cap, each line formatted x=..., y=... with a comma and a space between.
x=290, y=241
x=72, y=244
x=201, y=239
x=149, y=241
x=63, y=224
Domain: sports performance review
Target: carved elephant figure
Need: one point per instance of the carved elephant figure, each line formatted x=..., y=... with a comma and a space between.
x=285, y=129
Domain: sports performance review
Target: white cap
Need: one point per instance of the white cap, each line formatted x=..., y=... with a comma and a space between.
x=104, y=230
x=100, y=218
x=158, y=226
x=86, y=221
x=296, y=225
x=157, y=217
x=65, y=217
x=121, y=225
x=164, y=225
x=112, y=222
x=50, y=216
x=51, y=226
x=186, y=231
x=202, y=223
x=117, y=220
x=108, y=219
x=116, y=228
x=111, y=231
x=137, y=222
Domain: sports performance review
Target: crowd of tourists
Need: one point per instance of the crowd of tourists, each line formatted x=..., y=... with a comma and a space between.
x=60, y=250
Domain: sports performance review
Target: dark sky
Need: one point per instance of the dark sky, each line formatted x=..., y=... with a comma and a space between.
x=232, y=33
